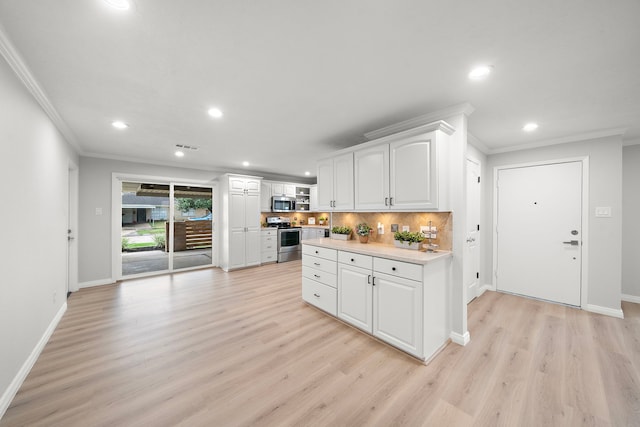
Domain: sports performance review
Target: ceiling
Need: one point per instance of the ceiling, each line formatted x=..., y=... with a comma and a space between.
x=297, y=80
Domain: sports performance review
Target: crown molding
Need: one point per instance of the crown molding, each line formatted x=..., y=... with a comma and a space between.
x=564, y=140
x=631, y=142
x=422, y=120
x=471, y=139
x=20, y=68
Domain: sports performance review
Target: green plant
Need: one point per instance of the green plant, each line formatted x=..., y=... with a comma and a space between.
x=125, y=243
x=407, y=236
x=322, y=218
x=341, y=229
x=363, y=229
x=160, y=240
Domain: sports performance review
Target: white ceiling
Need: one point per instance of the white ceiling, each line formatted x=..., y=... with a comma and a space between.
x=298, y=79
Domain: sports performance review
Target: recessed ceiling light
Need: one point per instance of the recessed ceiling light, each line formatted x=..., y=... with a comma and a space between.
x=480, y=72
x=179, y=153
x=245, y=163
x=216, y=113
x=530, y=127
x=119, y=124
x=118, y=4
x=307, y=173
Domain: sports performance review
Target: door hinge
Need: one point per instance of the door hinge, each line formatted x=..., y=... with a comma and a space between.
x=477, y=275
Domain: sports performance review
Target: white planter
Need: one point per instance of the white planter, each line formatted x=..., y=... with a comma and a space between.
x=407, y=245
x=340, y=236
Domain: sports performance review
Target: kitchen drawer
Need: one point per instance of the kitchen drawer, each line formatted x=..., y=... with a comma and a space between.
x=398, y=268
x=270, y=232
x=322, y=296
x=323, y=277
x=330, y=254
x=319, y=263
x=349, y=258
x=269, y=245
x=269, y=257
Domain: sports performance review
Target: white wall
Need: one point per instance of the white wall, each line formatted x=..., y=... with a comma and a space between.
x=605, y=189
x=95, y=192
x=630, y=223
x=34, y=165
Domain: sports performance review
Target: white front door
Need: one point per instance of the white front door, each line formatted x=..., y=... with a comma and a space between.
x=539, y=231
x=471, y=249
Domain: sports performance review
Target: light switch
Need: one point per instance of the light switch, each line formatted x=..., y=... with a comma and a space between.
x=98, y=211
x=603, y=212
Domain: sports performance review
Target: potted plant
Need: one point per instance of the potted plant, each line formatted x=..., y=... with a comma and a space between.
x=408, y=240
x=321, y=220
x=363, y=230
x=341, y=232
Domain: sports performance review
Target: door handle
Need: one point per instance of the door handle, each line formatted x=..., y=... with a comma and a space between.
x=70, y=238
x=471, y=239
x=572, y=242
x=316, y=295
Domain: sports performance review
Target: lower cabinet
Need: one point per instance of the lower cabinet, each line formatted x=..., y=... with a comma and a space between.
x=269, y=245
x=401, y=303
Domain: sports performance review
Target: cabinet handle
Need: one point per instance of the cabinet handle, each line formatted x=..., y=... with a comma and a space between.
x=316, y=263
x=352, y=260
x=316, y=295
x=373, y=280
x=386, y=201
x=316, y=276
x=390, y=201
x=369, y=279
x=316, y=251
x=393, y=269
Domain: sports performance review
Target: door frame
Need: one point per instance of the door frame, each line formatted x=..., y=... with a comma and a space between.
x=72, y=224
x=584, y=282
x=116, y=220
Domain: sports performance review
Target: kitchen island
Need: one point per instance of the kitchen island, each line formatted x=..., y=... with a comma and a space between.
x=399, y=296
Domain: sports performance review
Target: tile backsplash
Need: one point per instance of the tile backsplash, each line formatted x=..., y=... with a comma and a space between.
x=441, y=220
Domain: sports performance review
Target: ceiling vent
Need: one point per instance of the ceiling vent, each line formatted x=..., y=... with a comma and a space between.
x=187, y=147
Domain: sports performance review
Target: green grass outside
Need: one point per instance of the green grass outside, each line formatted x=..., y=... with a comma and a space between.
x=157, y=228
x=140, y=245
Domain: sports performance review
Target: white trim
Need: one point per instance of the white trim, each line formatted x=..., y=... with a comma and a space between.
x=424, y=119
x=460, y=339
x=631, y=298
x=479, y=145
x=486, y=287
x=564, y=140
x=15, y=385
x=631, y=142
x=93, y=283
x=584, y=288
x=18, y=65
x=605, y=310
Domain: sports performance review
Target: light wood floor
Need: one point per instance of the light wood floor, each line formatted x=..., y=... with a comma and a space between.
x=241, y=349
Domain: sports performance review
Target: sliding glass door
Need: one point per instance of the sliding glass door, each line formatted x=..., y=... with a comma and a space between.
x=165, y=227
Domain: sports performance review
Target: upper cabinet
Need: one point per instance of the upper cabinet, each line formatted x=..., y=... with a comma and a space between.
x=265, y=196
x=283, y=189
x=335, y=183
x=403, y=171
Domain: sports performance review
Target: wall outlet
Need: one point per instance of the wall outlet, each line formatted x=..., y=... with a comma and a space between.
x=405, y=228
x=424, y=229
x=394, y=228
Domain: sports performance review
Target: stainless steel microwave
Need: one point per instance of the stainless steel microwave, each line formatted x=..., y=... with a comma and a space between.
x=283, y=204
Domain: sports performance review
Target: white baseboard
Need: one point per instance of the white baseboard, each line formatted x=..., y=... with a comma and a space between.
x=631, y=298
x=605, y=310
x=93, y=283
x=15, y=385
x=485, y=288
x=460, y=339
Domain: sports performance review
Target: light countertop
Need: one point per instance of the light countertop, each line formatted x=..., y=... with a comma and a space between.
x=381, y=250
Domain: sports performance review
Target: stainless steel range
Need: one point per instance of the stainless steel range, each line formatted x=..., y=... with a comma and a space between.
x=289, y=238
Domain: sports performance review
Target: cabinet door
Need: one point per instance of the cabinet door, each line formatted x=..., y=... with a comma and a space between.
x=253, y=248
x=237, y=183
x=252, y=211
x=313, y=198
x=413, y=174
x=236, y=230
x=325, y=184
x=343, y=182
x=252, y=185
x=355, y=299
x=277, y=189
x=265, y=196
x=371, y=170
x=290, y=190
x=397, y=312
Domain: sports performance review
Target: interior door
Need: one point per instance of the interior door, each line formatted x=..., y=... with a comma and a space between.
x=539, y=231
x=472, y=252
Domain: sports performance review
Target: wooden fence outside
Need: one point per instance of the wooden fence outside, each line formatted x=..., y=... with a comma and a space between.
x=191, y=235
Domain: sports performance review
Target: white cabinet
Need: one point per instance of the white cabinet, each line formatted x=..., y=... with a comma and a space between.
x=355, y=296
x=269, y=245
x=335, y=183
x=303, y=198
x=240, y=221
x=283, y=189
x=319, y=278
x=401, y=174
x=265, y=196
x=313, y=198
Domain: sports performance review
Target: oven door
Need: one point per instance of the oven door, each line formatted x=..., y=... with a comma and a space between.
x=289, y=247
